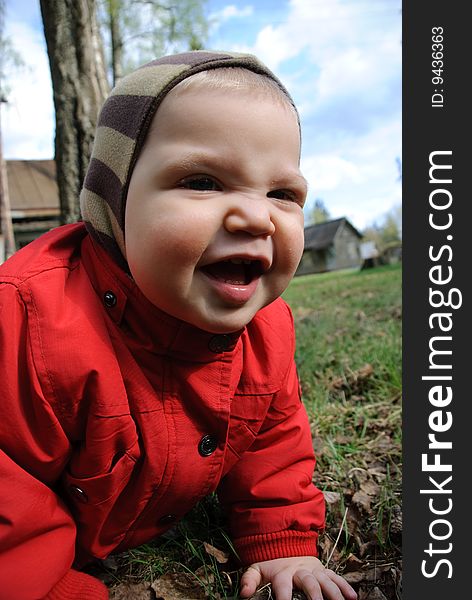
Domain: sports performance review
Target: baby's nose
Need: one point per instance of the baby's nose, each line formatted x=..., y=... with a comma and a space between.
x=251, y=215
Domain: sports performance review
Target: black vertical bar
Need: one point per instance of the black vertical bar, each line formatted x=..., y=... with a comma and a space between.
x=437, y=237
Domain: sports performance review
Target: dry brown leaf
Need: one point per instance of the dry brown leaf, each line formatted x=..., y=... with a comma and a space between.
x=353, y=564
x=302, y=312
x=364, y=372
x=370, y=488
x=362, y=501
x=354, y=577
x=354, y=520
x=372, y=575
x=366, y=547
x=382, y=443
x=177, y=587
x=326, y=546
x=372, y=594
x=127, y=591
x=204, y=575
x=353, y=379
x=221, y=557
x=396, y=520
x=332, y=497
x=379, y=471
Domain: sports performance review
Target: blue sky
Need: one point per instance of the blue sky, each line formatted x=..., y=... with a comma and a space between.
x=340, y=59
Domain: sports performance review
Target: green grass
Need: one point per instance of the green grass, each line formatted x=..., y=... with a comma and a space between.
x=348, y=355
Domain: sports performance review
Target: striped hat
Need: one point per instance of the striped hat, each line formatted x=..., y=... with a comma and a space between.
x=122, y=126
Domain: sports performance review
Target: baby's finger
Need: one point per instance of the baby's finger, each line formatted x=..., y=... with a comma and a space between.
x=330, y=589
x=282, y=585
x=342, y=584
x=251, y=578
x=308, y=583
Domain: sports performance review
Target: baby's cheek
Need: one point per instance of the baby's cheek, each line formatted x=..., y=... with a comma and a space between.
x=292, y=253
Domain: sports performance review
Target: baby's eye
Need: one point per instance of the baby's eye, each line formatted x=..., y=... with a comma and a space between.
x=287, y=195
x=200, y=183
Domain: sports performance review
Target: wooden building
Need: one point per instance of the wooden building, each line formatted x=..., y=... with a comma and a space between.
x=34, y=198
x=329, y=246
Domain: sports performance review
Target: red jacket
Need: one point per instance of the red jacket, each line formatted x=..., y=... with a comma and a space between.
x=117, y=418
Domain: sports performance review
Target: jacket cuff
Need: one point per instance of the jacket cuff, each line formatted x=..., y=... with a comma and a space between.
x=282, y=544
x=78, y=586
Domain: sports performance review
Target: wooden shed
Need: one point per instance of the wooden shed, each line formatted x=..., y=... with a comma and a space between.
x=329, y=246
x=34, y=198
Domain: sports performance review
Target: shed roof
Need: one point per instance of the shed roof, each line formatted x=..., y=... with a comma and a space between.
x=321, y=235
x=32, y=188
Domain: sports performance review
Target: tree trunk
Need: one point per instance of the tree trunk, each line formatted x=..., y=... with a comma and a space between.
x=7, y=236
x=114, y=8
x=80, y=87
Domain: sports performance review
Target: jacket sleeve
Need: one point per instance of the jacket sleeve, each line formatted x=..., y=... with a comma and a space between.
x=37, y=532
x=275, y=510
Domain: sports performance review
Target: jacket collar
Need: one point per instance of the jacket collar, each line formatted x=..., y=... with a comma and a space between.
x=143, y=323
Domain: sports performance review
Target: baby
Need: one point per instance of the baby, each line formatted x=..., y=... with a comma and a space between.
x=147, y=357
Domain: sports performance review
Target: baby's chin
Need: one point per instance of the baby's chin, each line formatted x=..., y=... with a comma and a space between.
x=222, y=325
x=226, y=321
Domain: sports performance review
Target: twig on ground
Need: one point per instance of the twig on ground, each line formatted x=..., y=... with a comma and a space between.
x=337, y=539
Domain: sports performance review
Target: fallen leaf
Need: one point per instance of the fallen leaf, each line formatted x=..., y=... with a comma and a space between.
x=372, y=594
x=326, y=546
x=353, y=380
x=371, y=488
x=364, y=372
x=128, y=591
x=354, y=577
x=366, y=547
x=396, y=520
x=332, y=497
x=380, y=472
x=204, y=575
x=372, y=575
x=353, y=563
x=221, y=557
x=354, y=519
x=362, y=500
x=176, y=586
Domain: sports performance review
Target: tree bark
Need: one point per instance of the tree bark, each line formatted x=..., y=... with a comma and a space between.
x=114, y=7
x=79, y=88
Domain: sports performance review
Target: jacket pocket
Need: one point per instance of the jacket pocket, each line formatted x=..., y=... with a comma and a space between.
x=246, y=418
x=105, y=486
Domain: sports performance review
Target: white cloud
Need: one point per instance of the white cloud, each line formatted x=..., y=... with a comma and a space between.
x=327, y=172
x=231, y=11
x=359, y=181
x=28, y=117
x=354, y=45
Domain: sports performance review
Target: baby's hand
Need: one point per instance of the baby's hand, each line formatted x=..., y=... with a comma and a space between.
x=304, y=572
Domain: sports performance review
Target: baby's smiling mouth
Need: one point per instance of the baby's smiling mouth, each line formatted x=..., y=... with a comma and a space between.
x=235, y=271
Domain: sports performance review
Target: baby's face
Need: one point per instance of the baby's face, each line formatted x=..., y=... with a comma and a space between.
x=214, y=221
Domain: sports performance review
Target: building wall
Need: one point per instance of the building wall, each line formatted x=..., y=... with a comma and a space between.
x=344, y=253
x=347, y=251
x=313, y=261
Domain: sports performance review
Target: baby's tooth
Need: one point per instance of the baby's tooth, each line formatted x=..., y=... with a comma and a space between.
x=236, y=261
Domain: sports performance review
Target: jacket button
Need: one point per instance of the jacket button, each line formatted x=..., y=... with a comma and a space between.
x=78, y=494
x=219, y=343
x=167, y=520
x=207, y=445
x=110, y=299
